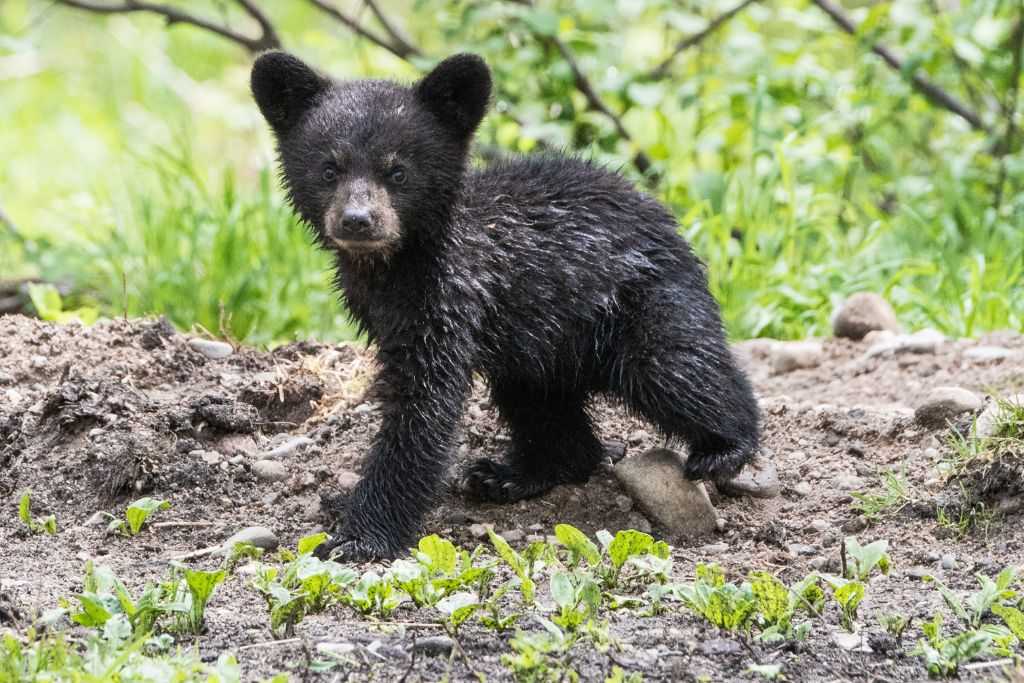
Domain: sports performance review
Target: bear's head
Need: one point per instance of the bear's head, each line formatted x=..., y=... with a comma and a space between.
x=372, y=164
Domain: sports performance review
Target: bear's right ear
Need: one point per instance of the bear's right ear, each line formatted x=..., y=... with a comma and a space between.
x=284, y=88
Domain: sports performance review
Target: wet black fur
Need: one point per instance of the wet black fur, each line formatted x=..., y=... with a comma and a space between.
x=552, y=277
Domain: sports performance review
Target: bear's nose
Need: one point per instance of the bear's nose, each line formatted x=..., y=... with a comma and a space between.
x=356, y=223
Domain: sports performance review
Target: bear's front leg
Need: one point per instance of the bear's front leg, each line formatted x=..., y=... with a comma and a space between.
x=408, y=462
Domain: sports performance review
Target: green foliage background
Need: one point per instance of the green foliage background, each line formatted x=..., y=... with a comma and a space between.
x=802, y=166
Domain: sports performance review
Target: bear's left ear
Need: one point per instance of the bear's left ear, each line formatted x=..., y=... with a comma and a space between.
x=284, y=88
x=457, y=92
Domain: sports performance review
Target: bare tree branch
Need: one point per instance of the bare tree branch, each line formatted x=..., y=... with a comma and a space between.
x=929, y=89
x=641, y=161
x=398, y=38
x=267, y=39
x=686, y=43
x=398, y=48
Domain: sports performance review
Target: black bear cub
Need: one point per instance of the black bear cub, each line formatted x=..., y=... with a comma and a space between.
x=552, y=277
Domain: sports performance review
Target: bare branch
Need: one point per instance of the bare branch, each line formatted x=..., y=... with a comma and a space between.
x=398, y=38
x=641, y=161
x=925, y=86
x=399, y=49
x=267, y=39
x=697, y=38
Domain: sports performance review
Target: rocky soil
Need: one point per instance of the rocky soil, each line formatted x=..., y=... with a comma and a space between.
x=234, y=437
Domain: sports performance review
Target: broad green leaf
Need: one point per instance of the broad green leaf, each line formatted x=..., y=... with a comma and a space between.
x=626, y=544
x=1013, y=617
x=562, y=590
x=441, y=554
x=772, y=596
x=578, y=544
x=309, y=543
x=139, y=511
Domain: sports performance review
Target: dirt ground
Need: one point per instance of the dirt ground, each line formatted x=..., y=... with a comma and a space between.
x=92, y=418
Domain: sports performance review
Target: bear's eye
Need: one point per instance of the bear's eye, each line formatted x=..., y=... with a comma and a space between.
x=330, y=175
x=398, y=176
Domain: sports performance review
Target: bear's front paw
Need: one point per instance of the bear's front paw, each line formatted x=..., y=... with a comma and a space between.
x=499, y=482
x=347, y=548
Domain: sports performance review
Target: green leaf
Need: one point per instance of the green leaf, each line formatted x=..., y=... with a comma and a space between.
x=1013, y=617
x=578, y=544
x=951, y=599
x=23, y=508
x=440, y=553
x=626, y=544
x=772, y=596
x=140, y=510
x=506, y=552
x=309, y=543
x=562, y=590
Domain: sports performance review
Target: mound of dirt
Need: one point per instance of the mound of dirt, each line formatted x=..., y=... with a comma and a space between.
x=91, y=418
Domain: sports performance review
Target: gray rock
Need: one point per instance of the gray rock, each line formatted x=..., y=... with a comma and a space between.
x=287, y=448
x=214, y=350
x=513, y=535
x=478, y=531
x=800, y=549
x=347, y=480
x=925, y=341
x=917, y=573
x=624, y=503
x=259, y=536
x=269, y=470
x=945, y=403
x=636, y=437
x=948, y=561
x=861, y=313
x=434, y=645
x=789, y=356
x=803, y=489
x=637, y=522
x=719, y=647
x=988, y=422
x=654, y=479
x=983, y=354
x=850, y=641
x=759, y=479
x=715, y=548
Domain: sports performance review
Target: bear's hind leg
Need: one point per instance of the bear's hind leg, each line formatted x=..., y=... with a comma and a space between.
x=675, y=370
x=553, y=442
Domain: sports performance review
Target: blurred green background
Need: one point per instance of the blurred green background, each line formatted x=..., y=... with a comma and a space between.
x=801, y=165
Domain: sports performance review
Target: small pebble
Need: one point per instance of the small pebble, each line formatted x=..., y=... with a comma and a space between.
x=513, y=535
x=214, y=350
x=800, y=549
x=948, y=561
x=478, y=531
x=863, y=313
x=287, y=448
x=269, y=470
x=347, y=480
x=720, y=524
x=259, y=536
x=434, y=646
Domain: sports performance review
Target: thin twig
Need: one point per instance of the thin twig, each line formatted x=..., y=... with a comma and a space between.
x=400, y=51
x=172, y=525
x=1010, y=107
x=697, y=38
x=270, y=643
x=924, y=85
x=399, y=39
x=641, y=161
x=173, y=15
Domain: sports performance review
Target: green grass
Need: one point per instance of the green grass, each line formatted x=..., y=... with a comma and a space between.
x=217, y=255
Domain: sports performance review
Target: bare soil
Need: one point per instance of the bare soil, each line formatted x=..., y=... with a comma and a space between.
x=92, y=418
